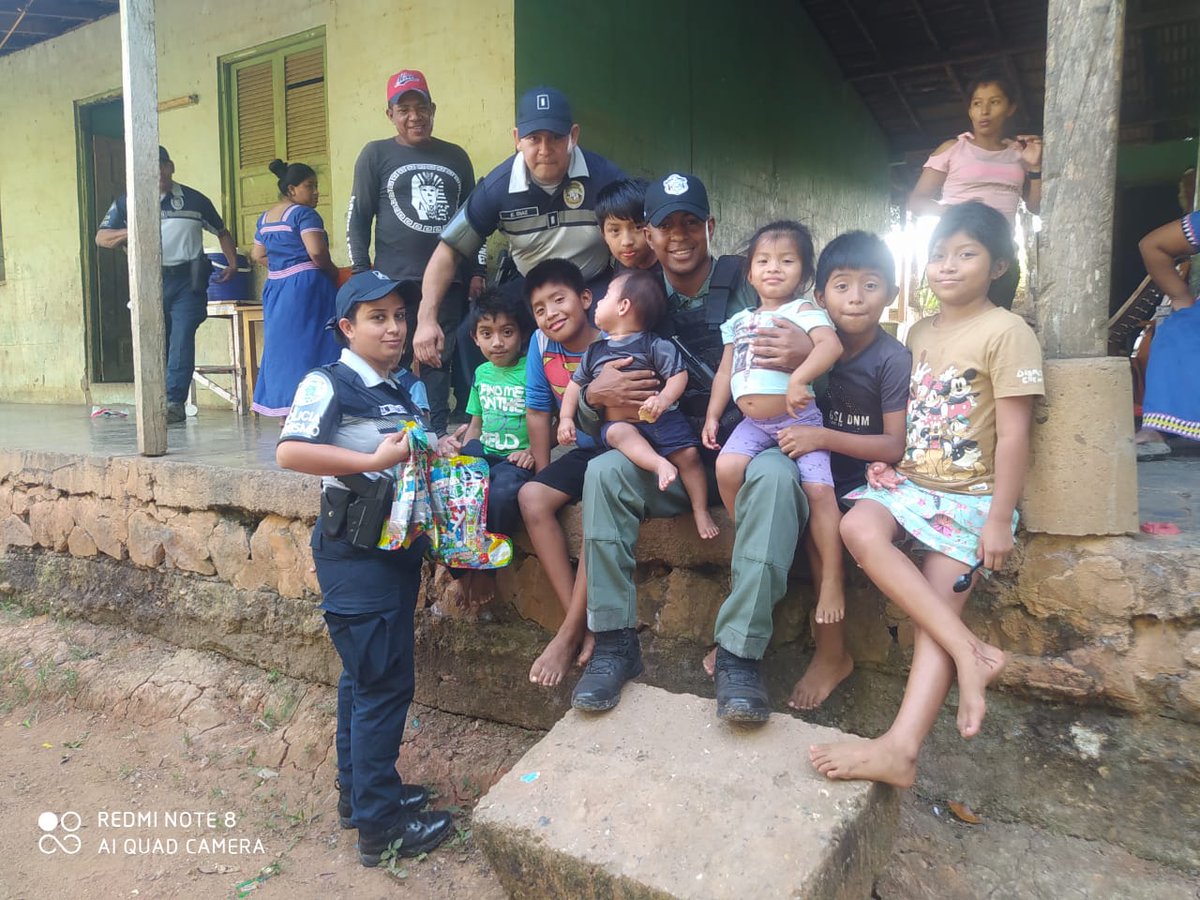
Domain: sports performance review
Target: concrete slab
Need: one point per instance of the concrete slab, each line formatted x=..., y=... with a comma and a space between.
x=659, y=799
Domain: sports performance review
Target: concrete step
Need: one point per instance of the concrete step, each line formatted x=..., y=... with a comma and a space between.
x=659, y=799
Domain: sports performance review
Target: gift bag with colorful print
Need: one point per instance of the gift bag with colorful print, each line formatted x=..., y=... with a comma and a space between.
x=411, y=515
x=446, y=500
x=458, y=493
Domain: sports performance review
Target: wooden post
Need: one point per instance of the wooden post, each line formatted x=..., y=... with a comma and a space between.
x=139, y=76
x=1084, y=43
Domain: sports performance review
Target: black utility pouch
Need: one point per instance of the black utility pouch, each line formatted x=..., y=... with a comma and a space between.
x=334, y=504
x=369, y=507
x=200, y=272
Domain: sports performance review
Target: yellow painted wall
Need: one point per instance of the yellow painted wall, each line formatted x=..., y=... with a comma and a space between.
x=465, y=48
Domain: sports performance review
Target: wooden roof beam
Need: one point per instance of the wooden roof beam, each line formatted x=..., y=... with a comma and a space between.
x=925, y=66
x=862, y=27
x=937, y=45
x=1009, y=68
x=907, y=106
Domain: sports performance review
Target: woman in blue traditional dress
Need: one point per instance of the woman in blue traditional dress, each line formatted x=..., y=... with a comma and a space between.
x=1172, y=401
x=301, y=285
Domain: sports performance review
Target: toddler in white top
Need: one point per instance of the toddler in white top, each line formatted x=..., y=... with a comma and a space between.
x=780, y=262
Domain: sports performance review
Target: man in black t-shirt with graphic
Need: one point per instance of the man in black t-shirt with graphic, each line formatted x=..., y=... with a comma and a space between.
x=410, y=186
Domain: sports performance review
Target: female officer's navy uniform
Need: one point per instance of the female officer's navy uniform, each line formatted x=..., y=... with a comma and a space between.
x=369, y=594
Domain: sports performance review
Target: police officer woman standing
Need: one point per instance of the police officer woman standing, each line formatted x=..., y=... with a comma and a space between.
x=347, y=423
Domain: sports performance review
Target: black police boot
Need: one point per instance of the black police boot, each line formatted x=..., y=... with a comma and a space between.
x=176, y=413
x=741, y=694
x=616, y=658
x=413, y=834
x=412, y=798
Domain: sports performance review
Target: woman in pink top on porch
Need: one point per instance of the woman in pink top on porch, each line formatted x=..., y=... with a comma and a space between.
x=982, y=164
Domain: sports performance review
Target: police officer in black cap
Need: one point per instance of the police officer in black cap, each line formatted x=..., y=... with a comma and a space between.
x=349, y=424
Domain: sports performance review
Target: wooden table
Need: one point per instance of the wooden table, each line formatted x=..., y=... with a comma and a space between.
x=245, y=352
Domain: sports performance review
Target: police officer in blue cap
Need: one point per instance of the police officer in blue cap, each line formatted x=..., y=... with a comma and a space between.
x=542, y=199
x=348, y=424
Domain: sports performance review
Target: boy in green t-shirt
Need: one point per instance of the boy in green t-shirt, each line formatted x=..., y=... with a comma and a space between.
x=497, y=432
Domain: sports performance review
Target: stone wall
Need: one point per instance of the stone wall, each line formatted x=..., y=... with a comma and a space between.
x=1092, y=729
x=1106, y=621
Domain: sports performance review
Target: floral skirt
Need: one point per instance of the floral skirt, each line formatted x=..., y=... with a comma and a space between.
x=946, y=523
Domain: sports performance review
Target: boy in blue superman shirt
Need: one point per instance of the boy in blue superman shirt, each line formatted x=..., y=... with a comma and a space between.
x=559, y=300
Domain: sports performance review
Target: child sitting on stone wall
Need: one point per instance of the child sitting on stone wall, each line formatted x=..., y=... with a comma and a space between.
x=977, y=368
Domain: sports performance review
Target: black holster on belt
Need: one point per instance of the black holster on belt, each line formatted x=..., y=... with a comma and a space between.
x=200, y=272
x=358, y=515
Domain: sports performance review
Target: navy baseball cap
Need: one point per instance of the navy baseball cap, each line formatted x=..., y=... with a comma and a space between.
x=368, y=285
x=674, y=193
x=163, y=156
x=543, y=109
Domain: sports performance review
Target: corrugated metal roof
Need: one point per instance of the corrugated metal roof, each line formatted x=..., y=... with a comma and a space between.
x=24, y=23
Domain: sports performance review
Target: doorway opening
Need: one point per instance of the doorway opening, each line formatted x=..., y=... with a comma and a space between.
x=100, y=129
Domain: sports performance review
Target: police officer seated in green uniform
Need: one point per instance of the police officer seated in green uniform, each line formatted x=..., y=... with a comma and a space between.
x=618, y=496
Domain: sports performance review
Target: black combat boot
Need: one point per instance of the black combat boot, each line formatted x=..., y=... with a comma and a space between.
x=616, y=659
x=741, y=694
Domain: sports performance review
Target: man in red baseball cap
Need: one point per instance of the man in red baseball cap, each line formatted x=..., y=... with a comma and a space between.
x=409, y=186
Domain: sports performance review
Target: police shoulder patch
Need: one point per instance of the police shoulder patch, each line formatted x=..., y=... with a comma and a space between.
x=314, y=388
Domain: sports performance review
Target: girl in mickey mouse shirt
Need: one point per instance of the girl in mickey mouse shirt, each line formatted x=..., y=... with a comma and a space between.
x=977, y=368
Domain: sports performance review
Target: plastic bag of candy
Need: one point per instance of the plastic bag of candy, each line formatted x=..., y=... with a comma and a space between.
x=445, y=498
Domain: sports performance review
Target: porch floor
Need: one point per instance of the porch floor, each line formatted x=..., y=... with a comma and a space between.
x=1168, y=489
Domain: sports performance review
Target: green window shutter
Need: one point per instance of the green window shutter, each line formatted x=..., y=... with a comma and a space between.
x=255, y=115
x=304, y=78
x=276, y=109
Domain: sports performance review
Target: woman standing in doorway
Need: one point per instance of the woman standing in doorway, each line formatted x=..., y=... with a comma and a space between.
x=298, y=297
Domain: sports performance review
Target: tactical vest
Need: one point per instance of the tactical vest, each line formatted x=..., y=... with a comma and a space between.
x=699, y=329
x=356, y=399
x=697, y=334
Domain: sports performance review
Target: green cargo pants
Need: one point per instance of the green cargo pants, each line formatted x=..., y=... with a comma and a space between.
x=771, y=511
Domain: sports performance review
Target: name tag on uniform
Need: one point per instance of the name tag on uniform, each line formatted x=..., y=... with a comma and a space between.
x=510, y=214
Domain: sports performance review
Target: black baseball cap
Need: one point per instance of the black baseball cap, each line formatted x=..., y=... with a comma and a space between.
x=674, y=193
x=368, y=285
x=163, y=156
x=543, y=109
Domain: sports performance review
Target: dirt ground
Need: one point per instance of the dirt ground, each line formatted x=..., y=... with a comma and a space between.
x=179, y=774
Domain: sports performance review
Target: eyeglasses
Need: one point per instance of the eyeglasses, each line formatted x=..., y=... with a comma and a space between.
x=423, y=111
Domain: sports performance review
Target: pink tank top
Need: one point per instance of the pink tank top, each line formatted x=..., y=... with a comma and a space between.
x=994, y=177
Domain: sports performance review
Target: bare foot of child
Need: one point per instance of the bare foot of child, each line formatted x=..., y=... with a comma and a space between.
x=704, y=523
x=667, y=474
x=585, y=649
x=824, y=673
x=974, y=676
x=876, y=760
x=710, y=661
x=831, y=605
x=479, y=589
x=549, y=668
